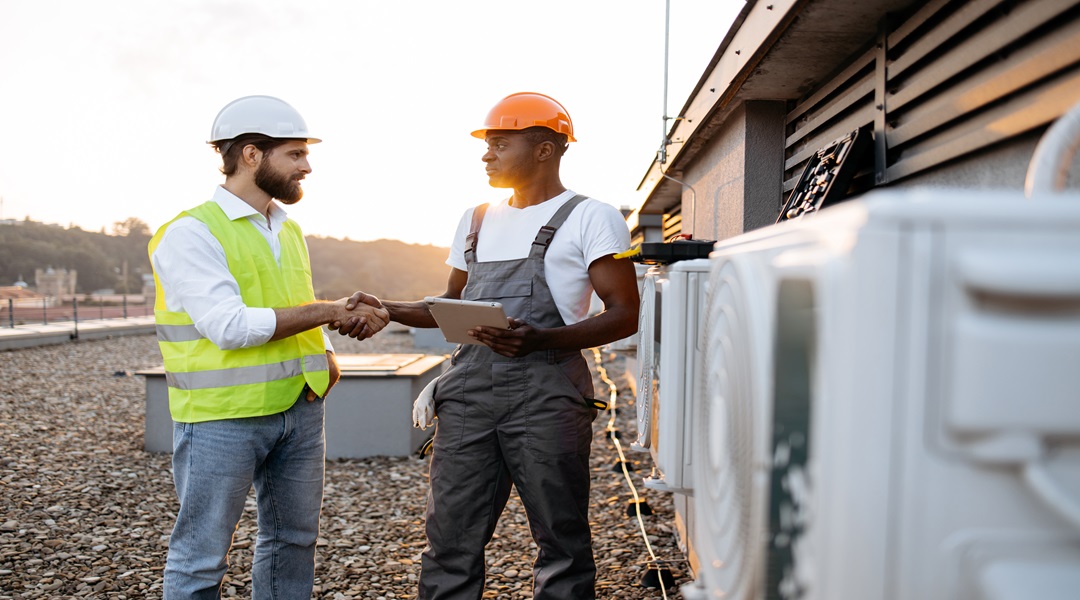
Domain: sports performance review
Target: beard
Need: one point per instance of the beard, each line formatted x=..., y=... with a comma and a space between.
x=279, y=186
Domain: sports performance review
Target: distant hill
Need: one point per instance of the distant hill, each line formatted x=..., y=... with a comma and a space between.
x=387, y=268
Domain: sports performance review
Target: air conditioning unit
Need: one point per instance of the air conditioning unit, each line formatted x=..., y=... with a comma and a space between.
x=679, y=375
x=668, y=355
x=627, y=345
x=891, y=406
x=647, y=385
x=678, y=310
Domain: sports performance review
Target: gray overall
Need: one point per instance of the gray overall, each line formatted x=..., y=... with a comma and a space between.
x=511, y=421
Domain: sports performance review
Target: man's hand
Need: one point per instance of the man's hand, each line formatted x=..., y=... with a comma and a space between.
x=519, y=340
x=335, y=375
x=359, y=297
x=292, y=320
x=369, y=316
x=357, y=328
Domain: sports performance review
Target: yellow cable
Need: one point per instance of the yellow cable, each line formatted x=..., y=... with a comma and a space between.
x=613, y=391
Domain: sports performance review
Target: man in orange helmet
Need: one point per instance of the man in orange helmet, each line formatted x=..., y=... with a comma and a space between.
x=517, y=408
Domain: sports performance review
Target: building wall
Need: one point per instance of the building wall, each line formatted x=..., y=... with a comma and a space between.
x=55, y=282
x=764, y=159
x=736, y=178
x=954, y=94
x=738, y=185
x=717, y=177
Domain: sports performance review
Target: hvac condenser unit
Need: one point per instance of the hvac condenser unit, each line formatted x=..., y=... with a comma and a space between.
x=892, y=403
x=648, y=358
x=668, y=359
x=627, y=345
x=679, y=375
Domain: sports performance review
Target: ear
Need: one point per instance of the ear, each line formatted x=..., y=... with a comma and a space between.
x=544, y=151
x=251, y=155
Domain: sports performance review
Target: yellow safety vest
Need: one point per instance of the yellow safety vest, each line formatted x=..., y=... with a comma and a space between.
x=207, y=383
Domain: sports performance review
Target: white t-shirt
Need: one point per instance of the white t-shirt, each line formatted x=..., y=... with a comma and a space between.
x=593, y=230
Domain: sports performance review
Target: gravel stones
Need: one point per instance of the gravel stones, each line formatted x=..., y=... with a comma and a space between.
x=85, y=512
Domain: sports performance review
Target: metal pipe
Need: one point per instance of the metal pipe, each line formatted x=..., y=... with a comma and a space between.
x=75, y=316
x=693, y=202
x=11, y=312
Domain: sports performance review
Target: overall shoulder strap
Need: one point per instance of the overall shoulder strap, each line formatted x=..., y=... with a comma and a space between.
x=474, y=233
x=547, y=232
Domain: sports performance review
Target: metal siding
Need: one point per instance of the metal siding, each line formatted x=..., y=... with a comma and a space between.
x=948, y=80
x=1023, y=113
x=976, y=48
x=1027, y=66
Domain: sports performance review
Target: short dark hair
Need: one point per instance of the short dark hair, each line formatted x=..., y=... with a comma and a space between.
x=536, y=135
x=230, y=149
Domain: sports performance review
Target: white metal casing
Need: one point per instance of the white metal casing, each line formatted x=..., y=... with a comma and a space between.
x=680, y=375
x=892, y=403
x=648, y=358
x=681, y=302
x=627, y=345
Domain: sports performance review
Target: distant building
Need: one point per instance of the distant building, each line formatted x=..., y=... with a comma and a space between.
x=17, y=292
x=56, y=283
x=16, y=296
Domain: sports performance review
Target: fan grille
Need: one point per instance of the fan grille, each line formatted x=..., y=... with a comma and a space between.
x=647, y=361
x=731, y=474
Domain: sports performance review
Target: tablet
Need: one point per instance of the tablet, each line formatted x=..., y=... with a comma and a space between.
x=457, y=317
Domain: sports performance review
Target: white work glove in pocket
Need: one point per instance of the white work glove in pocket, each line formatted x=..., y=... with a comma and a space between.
x=423, y=408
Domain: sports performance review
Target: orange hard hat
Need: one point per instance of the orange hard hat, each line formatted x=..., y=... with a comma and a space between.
x=528, y=109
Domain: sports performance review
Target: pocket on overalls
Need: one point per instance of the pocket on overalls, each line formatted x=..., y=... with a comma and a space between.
x=559, y=420
x=451, y=407
x=499, y=289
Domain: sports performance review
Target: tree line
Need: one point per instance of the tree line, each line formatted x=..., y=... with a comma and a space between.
x=387, y=268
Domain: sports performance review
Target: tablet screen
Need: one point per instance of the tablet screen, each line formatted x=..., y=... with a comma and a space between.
x=457, y=317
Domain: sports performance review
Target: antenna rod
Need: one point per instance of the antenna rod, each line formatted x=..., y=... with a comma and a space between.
x=664, y=118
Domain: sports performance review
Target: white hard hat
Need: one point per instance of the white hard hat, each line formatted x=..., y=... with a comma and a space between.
x=267, y=115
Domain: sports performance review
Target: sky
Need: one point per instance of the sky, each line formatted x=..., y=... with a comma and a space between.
x=107, y=105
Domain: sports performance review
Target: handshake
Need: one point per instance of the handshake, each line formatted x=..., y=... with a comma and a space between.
x=359, y=316
x=362, y=316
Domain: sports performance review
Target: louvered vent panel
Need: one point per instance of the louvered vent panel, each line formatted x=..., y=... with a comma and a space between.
x=673, y=223
x=948, y=80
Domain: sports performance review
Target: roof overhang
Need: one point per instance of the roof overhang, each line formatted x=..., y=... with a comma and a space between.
x=778, y=50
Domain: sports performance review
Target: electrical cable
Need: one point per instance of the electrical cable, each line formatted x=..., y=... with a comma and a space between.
x=613, y=395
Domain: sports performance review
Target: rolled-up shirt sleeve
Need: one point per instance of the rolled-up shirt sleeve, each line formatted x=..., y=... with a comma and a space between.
x=195, y=277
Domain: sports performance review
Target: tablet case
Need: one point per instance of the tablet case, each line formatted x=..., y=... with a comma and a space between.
x=457, y=317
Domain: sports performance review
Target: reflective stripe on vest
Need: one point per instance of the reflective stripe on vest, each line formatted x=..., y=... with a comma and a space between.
x=207, y=383
x=178, y=333
x=244, y=375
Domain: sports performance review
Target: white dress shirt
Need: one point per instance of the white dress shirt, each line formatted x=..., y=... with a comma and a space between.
x=194, y=274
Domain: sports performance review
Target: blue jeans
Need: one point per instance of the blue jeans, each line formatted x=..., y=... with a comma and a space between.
x=214, y=466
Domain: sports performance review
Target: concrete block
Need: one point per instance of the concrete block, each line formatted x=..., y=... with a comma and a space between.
x=368, y=413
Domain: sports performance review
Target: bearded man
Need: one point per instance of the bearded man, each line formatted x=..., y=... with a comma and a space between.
x=246, y=360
